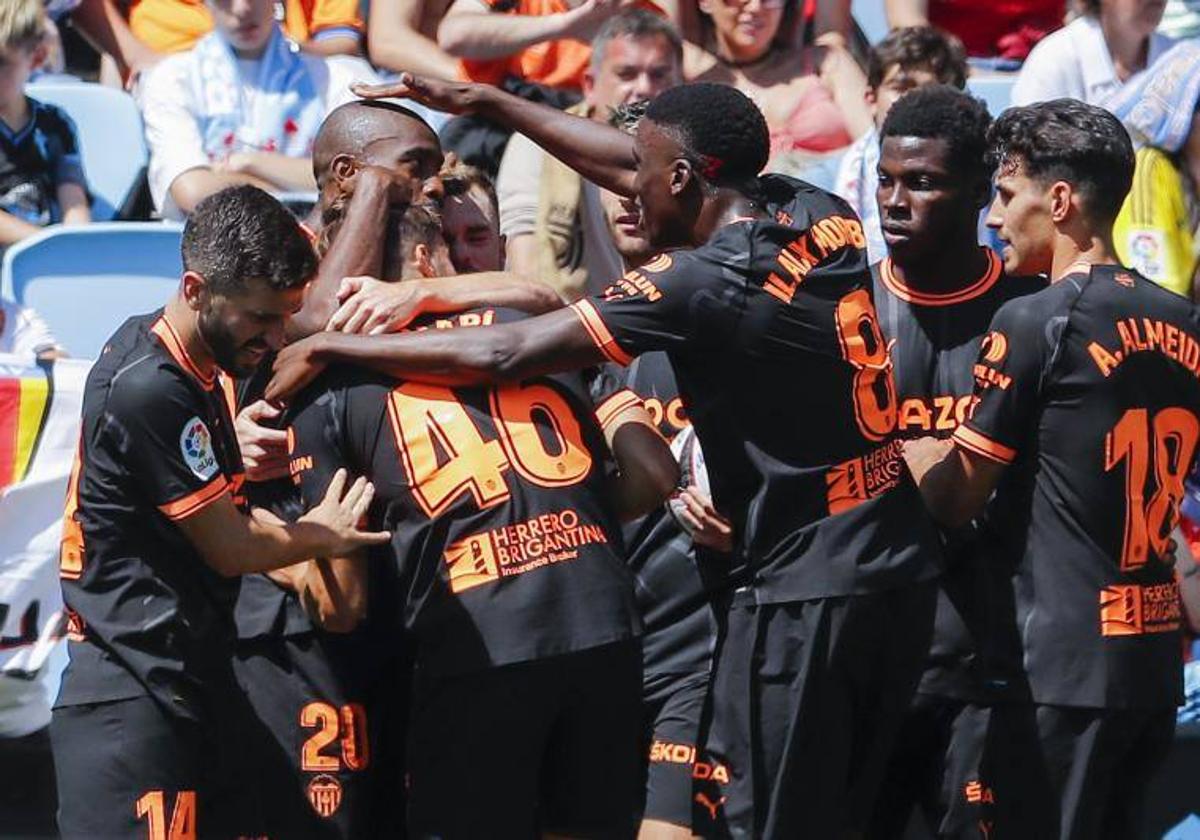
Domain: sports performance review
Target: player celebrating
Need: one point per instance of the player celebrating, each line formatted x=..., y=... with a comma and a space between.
x=1092, y=383
x=773, y=338
x=154, y=542
x=936, y=293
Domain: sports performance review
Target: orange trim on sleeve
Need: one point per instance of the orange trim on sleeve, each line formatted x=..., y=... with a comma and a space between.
x=611, y=408
x=980, y=444
x=194, y=502
x=174, y=345
x=594, y=324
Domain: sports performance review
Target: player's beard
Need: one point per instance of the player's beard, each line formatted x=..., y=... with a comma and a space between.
x=221, y=343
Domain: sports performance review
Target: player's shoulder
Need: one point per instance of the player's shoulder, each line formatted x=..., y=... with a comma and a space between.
x=1043, y=303
x=137, y=374
x=1012, y=286
x=795, y=203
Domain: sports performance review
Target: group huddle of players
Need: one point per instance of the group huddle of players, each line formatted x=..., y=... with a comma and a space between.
x=943, y=489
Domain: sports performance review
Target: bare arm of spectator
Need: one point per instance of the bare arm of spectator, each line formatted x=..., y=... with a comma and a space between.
x=846, y=82
x=395, y=40
x=281, y=171
x=13, y=229
x=906, y=13
x=72, y=199
x=105, y=26
x=471, y=30
x=600, y=153
x=334, y=45
x=833, y=16
x=195, y=185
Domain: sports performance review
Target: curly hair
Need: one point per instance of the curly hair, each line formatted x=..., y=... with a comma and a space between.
x=241, y=234
x=722, y=132
x=941, y=112
x=1068, y=140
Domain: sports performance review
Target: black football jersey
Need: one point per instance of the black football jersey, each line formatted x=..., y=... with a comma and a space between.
x=506, y=546
x=772, y=334
x=675, y=579
x=147, y=614
x=935, y=339
x=1094, y=380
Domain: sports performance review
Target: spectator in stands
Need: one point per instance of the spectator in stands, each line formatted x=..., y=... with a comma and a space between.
x=1156, y=229
x=1092, y=56
x=41, y=176
x=103, y=23
x=24, y=333
x=402, y=36
x=242, y=107
x=552, y=217
x=988, y=28
x=811, y=96
x=471, y=220
x=905, y=60
x=323, y=27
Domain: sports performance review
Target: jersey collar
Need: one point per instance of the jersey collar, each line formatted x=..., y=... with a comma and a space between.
x=174, y=345
x=906, y=293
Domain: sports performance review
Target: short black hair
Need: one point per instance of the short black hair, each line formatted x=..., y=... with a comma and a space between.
x=721, y=130
x=941, y=112
x=242, y=233
x=1068, y=140
x=919, y=48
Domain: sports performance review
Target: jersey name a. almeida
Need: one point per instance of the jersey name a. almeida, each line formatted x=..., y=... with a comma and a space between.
x=147, y=614
x=1095, y=380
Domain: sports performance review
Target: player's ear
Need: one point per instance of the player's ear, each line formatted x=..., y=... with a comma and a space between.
x=1063, y=201
x=682, y=174
x=195, y=287
x=343, y=168
x=421, y=257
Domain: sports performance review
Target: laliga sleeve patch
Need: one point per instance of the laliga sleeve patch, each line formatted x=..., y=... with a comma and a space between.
x=196, y=446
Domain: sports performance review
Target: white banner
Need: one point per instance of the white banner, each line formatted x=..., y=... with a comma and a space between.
x=39, y=434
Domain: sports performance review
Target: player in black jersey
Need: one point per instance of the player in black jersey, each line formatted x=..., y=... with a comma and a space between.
x=935, y=294
x=773, y=338
x=1092, y=384
x=147, y=720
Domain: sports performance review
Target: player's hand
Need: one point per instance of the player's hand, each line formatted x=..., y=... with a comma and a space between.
x=264, y=449
x=708, y=528
x=340, y=513
x=295, y=367
x=398, y=186
x=371, y=307
x=439, y=94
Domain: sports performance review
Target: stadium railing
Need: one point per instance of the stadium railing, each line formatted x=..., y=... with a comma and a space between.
x=85, y=281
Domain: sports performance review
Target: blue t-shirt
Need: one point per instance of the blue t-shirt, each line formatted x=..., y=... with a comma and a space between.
x=35, y=160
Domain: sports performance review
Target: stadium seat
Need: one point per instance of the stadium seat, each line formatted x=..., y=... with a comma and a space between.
x=85, y=281
x=112, y=142
x=995, y=89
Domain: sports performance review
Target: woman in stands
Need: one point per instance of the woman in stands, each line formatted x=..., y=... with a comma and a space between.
x=812, y=96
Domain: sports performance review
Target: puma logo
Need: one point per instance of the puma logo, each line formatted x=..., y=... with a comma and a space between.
x=711, y=806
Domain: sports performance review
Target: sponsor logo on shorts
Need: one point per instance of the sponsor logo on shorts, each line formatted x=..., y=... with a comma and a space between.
x=516, y=549
x=860, y=479
x=195, y=444
x=325, y=795
x=1134, y=610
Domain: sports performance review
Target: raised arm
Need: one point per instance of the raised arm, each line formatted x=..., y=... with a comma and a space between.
x=395, y=40
x=551, y=343
x=471, y=29
x=602, y=154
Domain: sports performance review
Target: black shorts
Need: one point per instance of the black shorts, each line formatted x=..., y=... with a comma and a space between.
x=27, y=791
x=1098, y=763
x=673, y=706
x=125, y=765
x=806, y=702
x=965, y=767
x=548, y=746
x=329, y=745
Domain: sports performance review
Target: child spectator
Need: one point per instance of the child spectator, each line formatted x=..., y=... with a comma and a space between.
x=1092, y=56
x=1155, y=231
x=41, y=176
x=242, y=107
x=24, y=333
x=906, y=59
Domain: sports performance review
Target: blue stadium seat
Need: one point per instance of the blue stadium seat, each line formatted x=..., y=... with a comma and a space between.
x=85, y=281
x=995, y=89
x=110, y=136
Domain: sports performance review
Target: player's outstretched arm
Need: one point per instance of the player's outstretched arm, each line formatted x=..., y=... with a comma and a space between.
x=602, y=154
x=235, y=544
x=954, y=486
x=371, y=307
x=552, y=343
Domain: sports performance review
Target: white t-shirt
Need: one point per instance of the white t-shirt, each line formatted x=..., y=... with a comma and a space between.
x=22, y=331
x=1075, y=63
x=169, y=112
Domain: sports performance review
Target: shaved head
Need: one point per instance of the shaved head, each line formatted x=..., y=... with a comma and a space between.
x=354, y=128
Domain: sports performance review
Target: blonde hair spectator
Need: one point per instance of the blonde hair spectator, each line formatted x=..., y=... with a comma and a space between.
x=22, y=24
